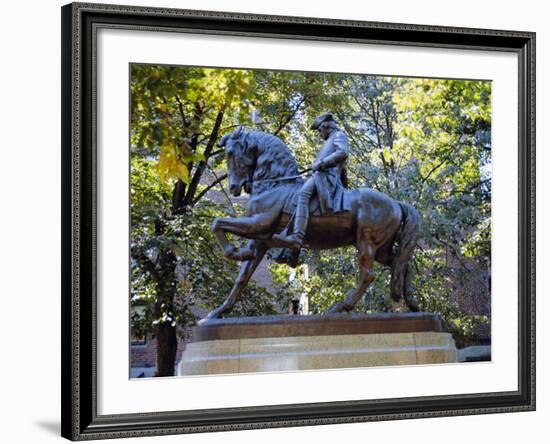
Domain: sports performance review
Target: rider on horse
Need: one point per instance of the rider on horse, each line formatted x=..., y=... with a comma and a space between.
x=381, y=228
x=328, y=180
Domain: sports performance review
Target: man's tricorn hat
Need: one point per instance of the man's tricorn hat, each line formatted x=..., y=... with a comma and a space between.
x=326, y=117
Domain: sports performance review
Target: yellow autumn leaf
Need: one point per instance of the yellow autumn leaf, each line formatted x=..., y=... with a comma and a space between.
x=170, y=167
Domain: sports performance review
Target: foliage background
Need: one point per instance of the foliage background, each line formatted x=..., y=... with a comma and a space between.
x=424, y=141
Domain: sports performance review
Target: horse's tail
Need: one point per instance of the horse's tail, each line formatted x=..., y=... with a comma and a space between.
x=406, y=242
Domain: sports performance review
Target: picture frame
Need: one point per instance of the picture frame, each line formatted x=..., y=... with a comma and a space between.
x=81, y=390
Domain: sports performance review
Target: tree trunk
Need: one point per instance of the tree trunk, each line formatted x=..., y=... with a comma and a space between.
x=166, y=336
x=182, y=195
x=167, y=346
x=178, y=195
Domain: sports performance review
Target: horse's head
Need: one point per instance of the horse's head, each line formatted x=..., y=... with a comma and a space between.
x=241, y=160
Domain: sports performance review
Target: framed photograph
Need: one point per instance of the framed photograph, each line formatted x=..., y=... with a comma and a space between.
x=274, y=221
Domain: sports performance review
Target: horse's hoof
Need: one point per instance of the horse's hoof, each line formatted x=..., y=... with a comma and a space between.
x=214, y=314
x=246, y=255
x=339, y=307
x=412, y=303
x=229, y=252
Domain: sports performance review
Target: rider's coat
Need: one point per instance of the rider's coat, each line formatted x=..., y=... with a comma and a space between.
x=328, y=182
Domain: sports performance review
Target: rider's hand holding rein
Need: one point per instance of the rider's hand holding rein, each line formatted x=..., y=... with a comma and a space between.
x=339, y=156
x=318, y=165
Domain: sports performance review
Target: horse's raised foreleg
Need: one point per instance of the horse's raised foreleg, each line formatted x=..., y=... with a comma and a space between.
x=246, y=271
x=365, y=260
x=229, y=250
x=248, y=227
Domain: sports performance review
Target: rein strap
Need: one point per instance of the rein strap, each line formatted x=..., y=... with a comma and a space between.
x=280, y=179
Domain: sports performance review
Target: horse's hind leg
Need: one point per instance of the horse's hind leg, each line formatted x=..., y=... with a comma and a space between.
x=410, y=298
x=245, y=273
x=365, y=261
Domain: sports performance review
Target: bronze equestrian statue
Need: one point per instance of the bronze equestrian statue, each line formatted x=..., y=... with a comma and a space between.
x=325, y=214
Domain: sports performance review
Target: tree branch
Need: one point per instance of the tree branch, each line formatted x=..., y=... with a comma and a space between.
x=233, y=211
x=209, y=187
x=215, y=153
x=190, y=196
x=433, y=170
x=289, y=117
x=471, y=187
x=184, y=121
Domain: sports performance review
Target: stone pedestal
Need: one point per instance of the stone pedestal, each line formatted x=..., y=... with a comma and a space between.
x=290, y=343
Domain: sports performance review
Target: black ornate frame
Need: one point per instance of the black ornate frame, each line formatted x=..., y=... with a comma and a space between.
x=80, y=420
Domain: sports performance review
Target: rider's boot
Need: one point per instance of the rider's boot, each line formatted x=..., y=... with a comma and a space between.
x=296, y=238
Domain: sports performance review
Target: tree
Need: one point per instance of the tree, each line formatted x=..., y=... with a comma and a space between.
x=177, y=114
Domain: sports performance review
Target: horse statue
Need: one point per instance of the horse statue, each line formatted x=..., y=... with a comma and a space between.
x=381, y=228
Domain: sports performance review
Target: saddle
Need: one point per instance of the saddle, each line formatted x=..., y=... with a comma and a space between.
x=314, y=204
x=291, y=256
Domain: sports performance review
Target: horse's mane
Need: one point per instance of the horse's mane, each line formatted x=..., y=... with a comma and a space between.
x=274, y=158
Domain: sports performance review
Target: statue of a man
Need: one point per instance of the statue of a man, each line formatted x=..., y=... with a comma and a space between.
x=326, y=180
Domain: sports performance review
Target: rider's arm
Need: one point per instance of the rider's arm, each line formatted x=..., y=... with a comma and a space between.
x=341, y=151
